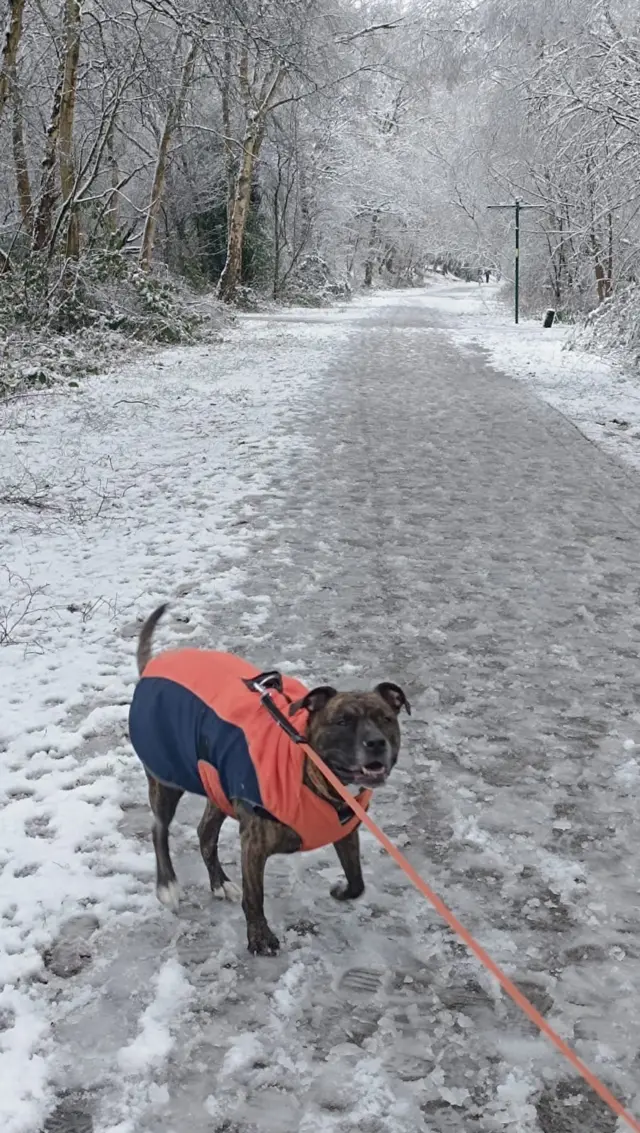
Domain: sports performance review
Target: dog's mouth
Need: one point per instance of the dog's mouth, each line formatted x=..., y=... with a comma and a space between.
x=371, y=775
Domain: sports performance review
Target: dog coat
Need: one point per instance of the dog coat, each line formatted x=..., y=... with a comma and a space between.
x=195, y=725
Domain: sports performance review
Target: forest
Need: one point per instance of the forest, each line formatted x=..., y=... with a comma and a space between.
x=152, y=153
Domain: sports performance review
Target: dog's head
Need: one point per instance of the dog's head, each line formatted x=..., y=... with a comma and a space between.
x=356, y=733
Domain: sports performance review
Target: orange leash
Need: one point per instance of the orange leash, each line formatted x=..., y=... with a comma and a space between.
x=472, y=944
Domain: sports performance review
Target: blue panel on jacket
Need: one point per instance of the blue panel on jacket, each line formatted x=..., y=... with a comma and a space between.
x=171, y=729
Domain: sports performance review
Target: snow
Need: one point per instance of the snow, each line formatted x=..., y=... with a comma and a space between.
x=21, y=1058
x=153, y=1043
x=514, y=1108
x=245, y=1051
x=147, y=478
x=599, y=396
x=314, y=492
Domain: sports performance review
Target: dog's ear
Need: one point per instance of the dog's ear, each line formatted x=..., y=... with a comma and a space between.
x=315, y=700
x=394, y=696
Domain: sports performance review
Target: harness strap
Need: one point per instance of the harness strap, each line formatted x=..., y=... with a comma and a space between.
x=262, y=684
x=273, y=680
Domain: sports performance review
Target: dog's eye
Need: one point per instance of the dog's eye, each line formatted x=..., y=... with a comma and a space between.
x=341, y=721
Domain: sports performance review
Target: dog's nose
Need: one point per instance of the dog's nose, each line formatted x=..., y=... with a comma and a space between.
x=375, y=748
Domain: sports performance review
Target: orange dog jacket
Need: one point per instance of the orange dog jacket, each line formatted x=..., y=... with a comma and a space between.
x=196, y=725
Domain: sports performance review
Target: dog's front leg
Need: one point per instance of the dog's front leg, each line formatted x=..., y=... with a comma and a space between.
x=259, y=839
x=260, y=939
x=348, y=851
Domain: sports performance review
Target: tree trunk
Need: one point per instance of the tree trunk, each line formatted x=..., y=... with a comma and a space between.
x=10, y=50
x=603, y=282
x=172, y=118
x=232, y=271
x=351, y=254
x=65, y=134
x=256, y=120
x=276, y=232
x=43, y=221
x=609, y=253
x=112, y=211
x=561, y=262
x=20, y=161
x=229, y=158
x=373, y=239
x=305, y=196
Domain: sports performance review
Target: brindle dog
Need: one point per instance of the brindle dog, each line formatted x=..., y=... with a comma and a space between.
x=356, y=734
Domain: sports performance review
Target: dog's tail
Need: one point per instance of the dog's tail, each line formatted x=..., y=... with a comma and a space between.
x=143, y=654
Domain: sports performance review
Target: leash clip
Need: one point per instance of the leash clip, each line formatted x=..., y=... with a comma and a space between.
x=264, y=684
x=271, y=679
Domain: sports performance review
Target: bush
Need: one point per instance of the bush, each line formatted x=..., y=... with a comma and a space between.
x=613, y=328
x=60, y=322
x=101, y=290
x=312, y=284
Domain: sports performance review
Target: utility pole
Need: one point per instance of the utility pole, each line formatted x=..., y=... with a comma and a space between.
x=518, y=207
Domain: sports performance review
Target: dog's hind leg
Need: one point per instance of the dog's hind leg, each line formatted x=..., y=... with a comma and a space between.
x=164, y=801
x=208, y=833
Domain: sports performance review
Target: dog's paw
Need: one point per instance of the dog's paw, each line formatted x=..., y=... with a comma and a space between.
x=228, y=891
x=169, y=895
x=263, y=942
x=342, y=892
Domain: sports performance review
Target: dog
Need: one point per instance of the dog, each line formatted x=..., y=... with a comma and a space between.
x=198, y=724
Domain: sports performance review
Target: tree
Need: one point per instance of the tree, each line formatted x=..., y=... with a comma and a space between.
x=71, y=55
x=10, y=50
x=172, y=118
x=259, y=93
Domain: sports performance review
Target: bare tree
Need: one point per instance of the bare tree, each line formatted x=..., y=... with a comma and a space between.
x=258, y=101
x=43, y=221
x=172, y=118
x=10, y=50
x=21, y=167
x=71, y=54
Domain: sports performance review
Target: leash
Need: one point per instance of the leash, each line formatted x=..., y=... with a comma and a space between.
x=263, y=685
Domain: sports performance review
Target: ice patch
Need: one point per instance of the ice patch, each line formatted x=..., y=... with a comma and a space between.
x=628, y=773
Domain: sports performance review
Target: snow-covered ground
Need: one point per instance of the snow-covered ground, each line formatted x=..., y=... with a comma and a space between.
x=190, y=477
x=599, y=396
x=137, y=488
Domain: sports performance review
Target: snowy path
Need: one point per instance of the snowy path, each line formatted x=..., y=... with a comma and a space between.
x=348, y=496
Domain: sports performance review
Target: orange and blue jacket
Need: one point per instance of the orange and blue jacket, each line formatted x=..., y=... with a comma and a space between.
x=195, y=724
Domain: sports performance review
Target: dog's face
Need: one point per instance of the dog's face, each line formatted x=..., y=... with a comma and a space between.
x=356, y=733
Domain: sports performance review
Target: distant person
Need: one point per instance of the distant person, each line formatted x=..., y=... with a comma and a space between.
x=487, y=275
